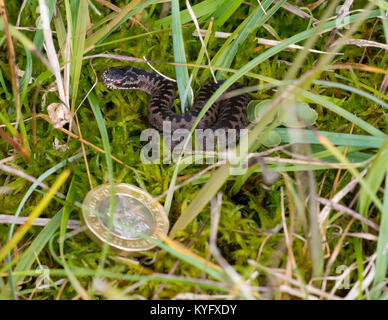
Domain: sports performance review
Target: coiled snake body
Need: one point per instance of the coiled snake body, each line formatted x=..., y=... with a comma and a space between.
x=225, y=113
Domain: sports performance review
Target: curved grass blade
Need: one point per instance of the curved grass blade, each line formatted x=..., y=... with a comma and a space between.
x=343, y=113
x=351, y=89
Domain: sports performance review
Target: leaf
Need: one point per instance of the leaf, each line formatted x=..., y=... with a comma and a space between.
x=288, y=118
x=303, y=110
x=256, y=109
x=273, y=139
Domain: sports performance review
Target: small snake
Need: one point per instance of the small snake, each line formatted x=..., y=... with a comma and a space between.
x=225, y=113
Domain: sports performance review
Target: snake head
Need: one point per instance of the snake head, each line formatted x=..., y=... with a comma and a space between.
x=120, y=78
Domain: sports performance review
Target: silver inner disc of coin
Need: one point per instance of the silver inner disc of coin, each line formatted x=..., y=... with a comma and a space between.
x=129, y=214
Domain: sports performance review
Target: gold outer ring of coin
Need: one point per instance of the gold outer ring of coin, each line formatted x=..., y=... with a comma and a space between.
x=121, y=246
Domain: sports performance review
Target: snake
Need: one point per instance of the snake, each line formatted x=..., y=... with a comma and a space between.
x=225, y=113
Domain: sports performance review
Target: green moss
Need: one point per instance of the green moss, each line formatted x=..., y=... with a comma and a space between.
x=244, y=214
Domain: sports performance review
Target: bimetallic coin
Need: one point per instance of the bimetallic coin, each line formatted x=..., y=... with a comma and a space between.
x=135, y=216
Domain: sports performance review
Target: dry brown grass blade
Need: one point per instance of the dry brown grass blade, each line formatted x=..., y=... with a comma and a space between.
x=356, y=66
x=180, y=248
x=313, y=6
x=348, y=211
x=11, y=57
x=335, y=253
x=22, y=174
x=9, y=218
x=297, y=11
x=15, y=83
x=18, y=148
x=324, y=214
x=84, y=152
x=384, y=84
x=367, y=43
x=109, y=5
x=80, y=132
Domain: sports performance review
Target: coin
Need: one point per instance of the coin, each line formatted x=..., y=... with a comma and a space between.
x=136, y=216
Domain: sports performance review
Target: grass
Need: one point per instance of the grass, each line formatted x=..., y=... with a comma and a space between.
x=304, y=237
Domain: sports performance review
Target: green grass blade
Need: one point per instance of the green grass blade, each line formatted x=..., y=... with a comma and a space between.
x=128, y=11
x=108, y=158
x=366, y=187
x=382, y=252
x=374, y=177
x=70, y=197
x=381, y=4
x=343, y=113
x=351, y=89
x=201, y=53
x=339, y=139
x=61, y=33
x=225, y=12
x=78, y=49
x=201, y=9
x=182, y=74
x=256, y=20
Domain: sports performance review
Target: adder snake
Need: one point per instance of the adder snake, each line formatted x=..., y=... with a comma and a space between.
x=225, y=113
